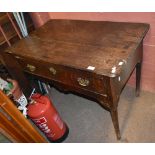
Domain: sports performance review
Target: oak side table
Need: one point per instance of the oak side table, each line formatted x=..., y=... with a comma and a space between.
x=92, y=58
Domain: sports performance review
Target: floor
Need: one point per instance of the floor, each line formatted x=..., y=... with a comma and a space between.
x=89, y=122
x=4, y=139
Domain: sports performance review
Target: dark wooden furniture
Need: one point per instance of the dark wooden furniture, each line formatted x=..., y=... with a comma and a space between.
x=9, y=30
x=8, y=34
x=14, y=125
x=93, y=58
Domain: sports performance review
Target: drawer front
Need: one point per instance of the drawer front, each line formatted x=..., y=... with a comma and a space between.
x=38, y=68
x=84, y=80
x=69, y=76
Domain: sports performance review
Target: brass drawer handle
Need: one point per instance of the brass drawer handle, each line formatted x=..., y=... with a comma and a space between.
x=31, y=67
x=17, y=57
x=83, y=82
x=52, y=70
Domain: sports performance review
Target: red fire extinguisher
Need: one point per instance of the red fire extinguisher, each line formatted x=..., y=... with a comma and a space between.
x=45, y=116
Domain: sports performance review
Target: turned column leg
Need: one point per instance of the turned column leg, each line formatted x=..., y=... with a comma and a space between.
x=114, y=116
x=138, y=77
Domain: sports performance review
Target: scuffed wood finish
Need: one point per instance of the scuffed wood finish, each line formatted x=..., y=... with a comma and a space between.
x=63, y=50
x=84, y=43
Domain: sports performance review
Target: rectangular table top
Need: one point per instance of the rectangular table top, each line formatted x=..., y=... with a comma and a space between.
x=96, y=46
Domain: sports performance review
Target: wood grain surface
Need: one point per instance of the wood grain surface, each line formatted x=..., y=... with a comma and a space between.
x=81, y=44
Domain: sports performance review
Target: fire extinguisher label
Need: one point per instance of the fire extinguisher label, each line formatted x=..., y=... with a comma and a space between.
x=41, y=120
x=42, y=124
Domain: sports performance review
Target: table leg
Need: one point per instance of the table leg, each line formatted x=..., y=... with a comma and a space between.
x=114, y=116
x=138, y=77
x=16, y=72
